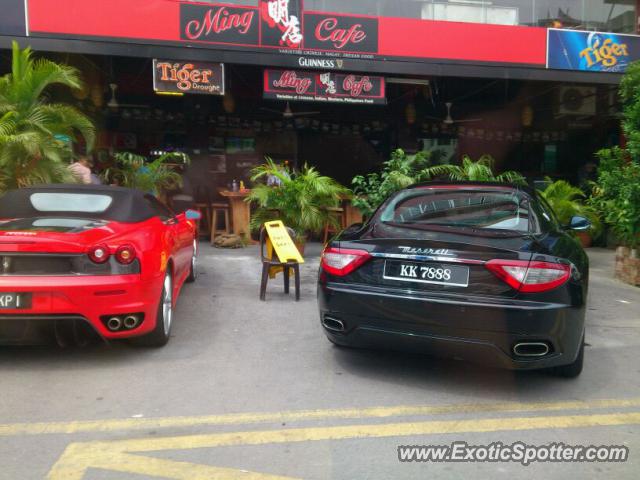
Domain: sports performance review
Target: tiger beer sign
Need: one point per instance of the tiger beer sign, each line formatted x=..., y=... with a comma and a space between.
x=172, y=76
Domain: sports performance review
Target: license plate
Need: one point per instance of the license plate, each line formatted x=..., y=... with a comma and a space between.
x=433, y=273
x=15, y=300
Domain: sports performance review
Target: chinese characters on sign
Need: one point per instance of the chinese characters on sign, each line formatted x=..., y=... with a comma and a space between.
x=188, y=77
x=323, y=87
x=281, y=23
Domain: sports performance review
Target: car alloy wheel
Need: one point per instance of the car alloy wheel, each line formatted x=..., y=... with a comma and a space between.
x=194, y=259
x=167, y=304
x=193, y=272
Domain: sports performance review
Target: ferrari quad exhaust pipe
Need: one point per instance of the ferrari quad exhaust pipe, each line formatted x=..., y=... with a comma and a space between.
x=130, y=321
x=333, y=324
x=531, y=349
x=114, y=323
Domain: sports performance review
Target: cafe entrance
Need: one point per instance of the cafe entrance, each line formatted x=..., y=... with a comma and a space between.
x=540, y=128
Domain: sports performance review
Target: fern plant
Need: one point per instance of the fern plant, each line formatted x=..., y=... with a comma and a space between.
x=300, y=200
x=400, y=171
x=568, y=201
x=481, y=170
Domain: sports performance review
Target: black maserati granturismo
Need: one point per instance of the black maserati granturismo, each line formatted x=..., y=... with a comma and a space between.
x=477, y=271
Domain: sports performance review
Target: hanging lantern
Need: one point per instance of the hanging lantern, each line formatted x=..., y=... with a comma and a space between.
x=97, y=95
x=228, y=103
x=410, y=113
x=527, y=116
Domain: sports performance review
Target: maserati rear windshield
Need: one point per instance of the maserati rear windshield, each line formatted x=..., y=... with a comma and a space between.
x=460, y=209
x=70, y=202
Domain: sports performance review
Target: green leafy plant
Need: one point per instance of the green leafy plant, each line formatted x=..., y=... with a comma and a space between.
x=481, y=170
x=134, y=171
x=30, y=153
x=568, y=201
x=397, y=173
x=630, y=96
x=616, y=194
x=300, y=200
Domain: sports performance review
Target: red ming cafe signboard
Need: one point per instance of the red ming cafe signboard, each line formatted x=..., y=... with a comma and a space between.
x=284, y=27
x=323, y=87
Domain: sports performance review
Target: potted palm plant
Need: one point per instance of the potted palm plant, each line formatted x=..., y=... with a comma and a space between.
x=300, y=199
x=567, y=201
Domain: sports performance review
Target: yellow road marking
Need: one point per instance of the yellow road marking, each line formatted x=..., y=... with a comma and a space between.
x=109, y=425
x=79, y=457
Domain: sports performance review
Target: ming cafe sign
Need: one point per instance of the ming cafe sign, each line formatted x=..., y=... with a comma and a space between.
x=172, y=76
x=280, y=24
x=323, y=87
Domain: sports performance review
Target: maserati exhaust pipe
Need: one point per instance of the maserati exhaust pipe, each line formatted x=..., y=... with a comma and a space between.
x=333, y=324
x=531, y=349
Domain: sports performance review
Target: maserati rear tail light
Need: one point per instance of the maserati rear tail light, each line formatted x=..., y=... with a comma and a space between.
x=125, y=254
x=341, y=262
x=530, y=277
x=99, y=254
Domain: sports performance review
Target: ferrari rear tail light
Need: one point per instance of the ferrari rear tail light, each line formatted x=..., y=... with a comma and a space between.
x=99, y=254
x=341, y=262
x=530, y=277
x=125, y=254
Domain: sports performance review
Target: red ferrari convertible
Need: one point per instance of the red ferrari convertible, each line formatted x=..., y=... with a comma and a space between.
x=77, y=256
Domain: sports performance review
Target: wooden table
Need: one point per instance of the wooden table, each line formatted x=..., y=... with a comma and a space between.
x=240, y=211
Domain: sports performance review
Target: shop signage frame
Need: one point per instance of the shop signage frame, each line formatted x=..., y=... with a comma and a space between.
x=325, y=87
x=174, y=76
x=271, y=28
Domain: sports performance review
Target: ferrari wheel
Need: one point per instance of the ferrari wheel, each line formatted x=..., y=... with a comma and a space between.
x=193, y=270
x=162, y=331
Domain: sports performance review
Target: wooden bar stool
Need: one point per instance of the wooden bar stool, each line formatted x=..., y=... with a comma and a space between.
x=338, y=214
x=204, y=224
x=222, y=209
x=203, y=205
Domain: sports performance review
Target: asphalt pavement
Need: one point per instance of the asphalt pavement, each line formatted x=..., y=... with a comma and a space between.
x=253, y=390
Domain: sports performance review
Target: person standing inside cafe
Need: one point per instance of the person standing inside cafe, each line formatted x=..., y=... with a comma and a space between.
x=81, y=170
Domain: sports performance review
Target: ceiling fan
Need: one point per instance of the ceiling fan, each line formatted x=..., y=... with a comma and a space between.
x=448, y=120
x=288, y=113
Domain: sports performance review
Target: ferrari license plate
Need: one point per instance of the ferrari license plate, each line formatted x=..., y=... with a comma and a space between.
x=434, y=273
x=15, y=300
